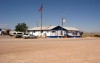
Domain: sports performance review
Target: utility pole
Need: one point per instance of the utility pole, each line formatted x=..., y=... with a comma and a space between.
x=62, y=28
x=63, y=20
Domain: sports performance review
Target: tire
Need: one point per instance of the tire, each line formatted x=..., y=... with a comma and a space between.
x=25, y=38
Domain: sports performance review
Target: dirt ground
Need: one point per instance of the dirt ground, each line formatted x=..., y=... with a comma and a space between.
x=58, y=50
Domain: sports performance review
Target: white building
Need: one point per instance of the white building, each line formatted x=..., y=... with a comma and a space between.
x=55, y=31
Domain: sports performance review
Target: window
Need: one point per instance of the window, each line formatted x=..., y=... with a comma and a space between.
x=34, y=31
x=69, y=31
x=53, y=31
x=61, y=32
x=42, y=31
x=14, y=33
x=19, y=33
x=47, y=31
x=75, y=32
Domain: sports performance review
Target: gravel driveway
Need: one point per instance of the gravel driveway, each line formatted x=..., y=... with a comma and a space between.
x=65, y=50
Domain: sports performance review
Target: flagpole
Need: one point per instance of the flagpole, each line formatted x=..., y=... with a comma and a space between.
x=41, y=23
x=37, y=23
x=41, y=20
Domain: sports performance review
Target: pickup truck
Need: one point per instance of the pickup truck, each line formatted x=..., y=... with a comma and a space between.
x=26, y=36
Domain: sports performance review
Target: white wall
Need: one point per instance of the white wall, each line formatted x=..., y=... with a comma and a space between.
x=37, y=33
x=59, y=32
x=30, y=32
x=48, y=33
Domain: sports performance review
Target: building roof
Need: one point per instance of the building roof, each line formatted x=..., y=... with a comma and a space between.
x=70, y=28
x=51, y=27
x=43, y=28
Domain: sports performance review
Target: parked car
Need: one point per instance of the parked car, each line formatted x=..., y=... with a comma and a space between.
x=26, y=36
x=18, y=34
x=11, y=33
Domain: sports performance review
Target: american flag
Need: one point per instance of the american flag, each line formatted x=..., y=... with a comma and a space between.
x=40, y=8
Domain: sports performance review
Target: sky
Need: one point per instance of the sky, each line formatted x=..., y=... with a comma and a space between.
x=81, y=14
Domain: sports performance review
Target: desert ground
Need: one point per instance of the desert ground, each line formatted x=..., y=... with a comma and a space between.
x=49, y=50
